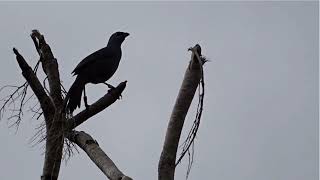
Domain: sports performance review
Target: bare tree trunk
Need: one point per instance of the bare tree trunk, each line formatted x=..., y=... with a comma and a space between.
x=167, y=162
x=54, y=124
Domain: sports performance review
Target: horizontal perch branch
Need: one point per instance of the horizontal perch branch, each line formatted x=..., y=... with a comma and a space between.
x=98, y=106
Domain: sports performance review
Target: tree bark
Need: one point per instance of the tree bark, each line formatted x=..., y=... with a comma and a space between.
x=27, y=72
x=97, y=155
x=166, y=166
x=49, y=65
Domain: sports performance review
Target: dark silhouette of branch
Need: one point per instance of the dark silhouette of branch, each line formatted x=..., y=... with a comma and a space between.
x=97, y=107
x=49, y=65
x=16, y=112
x=33, y=81
x=19, y=92
x=53, y=124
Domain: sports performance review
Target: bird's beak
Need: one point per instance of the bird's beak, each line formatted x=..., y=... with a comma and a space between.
x=126, y=34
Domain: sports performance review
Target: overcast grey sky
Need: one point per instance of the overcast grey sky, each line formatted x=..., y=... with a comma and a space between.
x=260, y=119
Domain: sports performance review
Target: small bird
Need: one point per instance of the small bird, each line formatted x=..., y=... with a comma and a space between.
x=96, y=68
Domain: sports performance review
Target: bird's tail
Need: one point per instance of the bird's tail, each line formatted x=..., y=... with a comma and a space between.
x=73, y=97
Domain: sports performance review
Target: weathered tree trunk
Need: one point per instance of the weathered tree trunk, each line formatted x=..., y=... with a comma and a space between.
x=192, y=76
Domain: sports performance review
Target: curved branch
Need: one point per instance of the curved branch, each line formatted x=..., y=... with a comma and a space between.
x=97, y=155
x=98, y=106
x=189, y=141
x=166, y=166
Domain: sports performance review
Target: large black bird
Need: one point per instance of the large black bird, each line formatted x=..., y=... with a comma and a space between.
x=96, y=68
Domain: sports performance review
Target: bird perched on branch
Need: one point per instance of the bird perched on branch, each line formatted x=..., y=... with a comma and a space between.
x=96, y=68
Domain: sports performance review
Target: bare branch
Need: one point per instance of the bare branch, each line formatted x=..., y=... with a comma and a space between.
x=97, y=155
x=49, y=65
x=35, y=84
x=98, y=106
x=194, y=129
x=9, y=101
x=20, y=91
x=166, y=166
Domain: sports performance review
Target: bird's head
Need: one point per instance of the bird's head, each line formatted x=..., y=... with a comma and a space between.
x=118, y=37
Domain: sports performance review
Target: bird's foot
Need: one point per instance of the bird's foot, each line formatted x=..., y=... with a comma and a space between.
x=111, y=89
x=109, y=86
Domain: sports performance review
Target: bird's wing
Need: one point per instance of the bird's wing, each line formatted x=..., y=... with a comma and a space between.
x=92, y=58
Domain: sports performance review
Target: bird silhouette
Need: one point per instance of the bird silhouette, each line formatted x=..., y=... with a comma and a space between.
x=96, y=68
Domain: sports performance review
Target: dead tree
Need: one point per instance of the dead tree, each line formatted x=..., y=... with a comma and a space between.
x=59, y=134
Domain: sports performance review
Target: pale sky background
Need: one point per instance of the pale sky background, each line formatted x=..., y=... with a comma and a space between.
x=260, y=119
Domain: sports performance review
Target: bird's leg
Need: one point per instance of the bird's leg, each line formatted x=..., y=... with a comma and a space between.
x=85, y=98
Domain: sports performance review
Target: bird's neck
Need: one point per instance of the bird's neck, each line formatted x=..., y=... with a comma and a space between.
x=114, y=44
x=115, y=49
